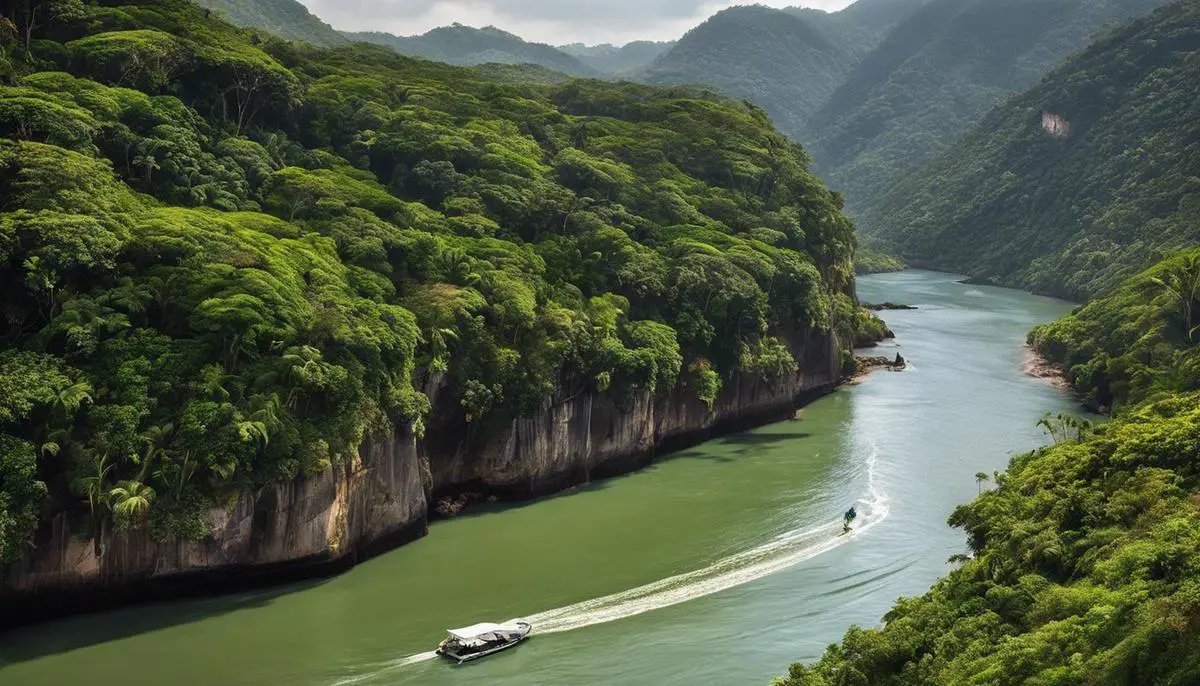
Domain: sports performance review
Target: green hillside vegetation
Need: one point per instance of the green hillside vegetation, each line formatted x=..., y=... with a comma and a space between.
x=936, y=74
x=223, y=264
x=609, y=59
x=1084, y=563
x=1123, y=349
x=869, y=261
x=1071, y=216
x=788, y=62
x=467, y=46
x=285, y=18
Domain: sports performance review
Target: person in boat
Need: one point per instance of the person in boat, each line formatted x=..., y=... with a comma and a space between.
x=847, y=518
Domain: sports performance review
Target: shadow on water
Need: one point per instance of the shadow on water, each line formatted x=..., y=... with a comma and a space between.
x=741, y=444
x=61, y=636
x=75, y=633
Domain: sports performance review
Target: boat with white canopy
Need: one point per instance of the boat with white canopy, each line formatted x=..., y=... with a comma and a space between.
x=475, y=641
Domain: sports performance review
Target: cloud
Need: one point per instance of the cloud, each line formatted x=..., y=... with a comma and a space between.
x=546, y=21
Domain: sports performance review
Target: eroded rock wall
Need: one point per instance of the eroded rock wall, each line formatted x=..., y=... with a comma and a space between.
x=327, y=521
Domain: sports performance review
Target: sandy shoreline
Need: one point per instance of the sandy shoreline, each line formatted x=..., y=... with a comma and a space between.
x=1035, y=365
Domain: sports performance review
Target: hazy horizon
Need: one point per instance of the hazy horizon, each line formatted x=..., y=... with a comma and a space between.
x=554, y=22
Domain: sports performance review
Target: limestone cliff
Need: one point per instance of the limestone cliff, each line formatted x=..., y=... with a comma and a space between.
x=328, y=521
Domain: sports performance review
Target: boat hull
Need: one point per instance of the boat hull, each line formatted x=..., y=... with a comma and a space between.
x=475, y=656
x=452, y=654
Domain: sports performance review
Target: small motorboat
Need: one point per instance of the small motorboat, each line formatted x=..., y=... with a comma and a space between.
x=476, y=641
x=850, y=516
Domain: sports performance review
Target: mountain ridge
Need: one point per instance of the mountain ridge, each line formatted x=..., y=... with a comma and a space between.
x=1076, y=184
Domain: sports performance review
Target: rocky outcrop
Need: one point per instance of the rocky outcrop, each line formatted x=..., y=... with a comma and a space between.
x=881, y=307
x=310, y=525
x=866, y=365
x=328, y=521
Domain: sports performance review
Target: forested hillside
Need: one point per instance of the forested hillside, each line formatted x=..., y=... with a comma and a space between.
x=789, y=62
x=1077, y=209
x=224, y=263
x=286, y=18
x=464, y=45
x=614, y=61
x=1084, y=564
x=936, y=74
x=1141, y=341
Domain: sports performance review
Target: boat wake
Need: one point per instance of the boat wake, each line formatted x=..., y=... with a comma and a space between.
x=391, y=665
x=786, y=550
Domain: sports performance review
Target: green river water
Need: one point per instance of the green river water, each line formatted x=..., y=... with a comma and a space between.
x=718, y=565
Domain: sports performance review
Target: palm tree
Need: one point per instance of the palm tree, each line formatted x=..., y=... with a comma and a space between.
x=131, y=296
x=1182, y=286
x=980, y=479
x=155, y=440
x=130, y=500
x=94, y=488
x=148, y=165
x=178, y=472
x=300, y=363
x=263, y=421
x=70, y=398
x=1047, y=423
x=440, y=348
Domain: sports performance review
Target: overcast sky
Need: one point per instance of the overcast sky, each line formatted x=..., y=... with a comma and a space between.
x=544, y=21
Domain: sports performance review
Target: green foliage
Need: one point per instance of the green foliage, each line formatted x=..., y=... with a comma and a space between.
x=1084, y=571
x=285, y=18
x=227, y=260
x=768, y=358
x=867, y=261
x=868, y=328
x=21, y=496
x=1072, y=216
x=933, y=76
x=467, y=46
x=609, y=59
x=1085, y=556
x=706, y=381
x=789, y=62
x=1137, y=342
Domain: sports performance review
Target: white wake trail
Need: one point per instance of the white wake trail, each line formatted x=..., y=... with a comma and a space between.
x=786, y=550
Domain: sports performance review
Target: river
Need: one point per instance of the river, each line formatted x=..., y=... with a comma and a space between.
x=721, y=564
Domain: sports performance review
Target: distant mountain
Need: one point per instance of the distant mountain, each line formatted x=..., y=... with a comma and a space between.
x=874, y=15
x=285, y=18
x=1075, y=185
x=610, y=59
x=936, y=73
x=787, y=61
x=773, y=58
x=464, y=45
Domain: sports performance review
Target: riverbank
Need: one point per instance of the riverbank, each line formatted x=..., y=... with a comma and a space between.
x=1034, y=364
x=619, y=559
x=324, y=524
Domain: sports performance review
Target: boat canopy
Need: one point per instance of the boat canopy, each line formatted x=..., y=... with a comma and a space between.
x=476, y=630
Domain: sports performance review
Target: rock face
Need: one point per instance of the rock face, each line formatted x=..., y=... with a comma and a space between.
x=329, y=521
x=889, y=306
x=867, y=365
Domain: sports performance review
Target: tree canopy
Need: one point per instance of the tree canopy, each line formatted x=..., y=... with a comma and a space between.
x=1075, y=185
x=225, y=259
x=1084, y=562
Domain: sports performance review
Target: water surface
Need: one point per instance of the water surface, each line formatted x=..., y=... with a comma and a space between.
x=722, y=564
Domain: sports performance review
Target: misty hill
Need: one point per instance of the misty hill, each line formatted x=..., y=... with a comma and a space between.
x=464, y=45
x=787, y=61
x=610, y=59
x=1077, y=184
x=936, y=73
x=285, y=18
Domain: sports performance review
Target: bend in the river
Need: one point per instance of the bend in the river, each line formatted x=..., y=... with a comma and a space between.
x=721, y=564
